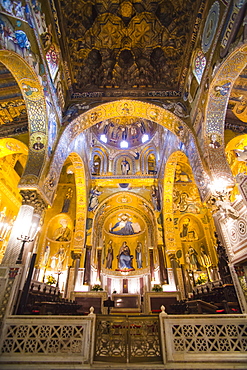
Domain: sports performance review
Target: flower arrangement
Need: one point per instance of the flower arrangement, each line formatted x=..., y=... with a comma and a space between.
x=243, y=284
x=96, y=287
x=202, y=279
x=157, y=288
x=50, y=280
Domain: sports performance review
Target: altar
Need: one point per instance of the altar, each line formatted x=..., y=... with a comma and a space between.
x=126, y=303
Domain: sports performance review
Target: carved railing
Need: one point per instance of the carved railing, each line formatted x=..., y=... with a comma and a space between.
x=175, y=339
x=193, y=338
x=47, y=339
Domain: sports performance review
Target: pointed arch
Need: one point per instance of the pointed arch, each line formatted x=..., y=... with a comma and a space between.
x=125, y=108
x=32, y=92
x=12, y=146
x=168, y=215
x=113, y=204
x=97, y=151
x=193, y=209
x=77, y=218
x=219, y=93
x=150, y=150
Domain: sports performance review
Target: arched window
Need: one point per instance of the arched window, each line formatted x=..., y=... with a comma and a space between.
x=152, y=165
x=96, y=165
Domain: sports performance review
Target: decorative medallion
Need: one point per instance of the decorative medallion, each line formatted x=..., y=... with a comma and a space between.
x=38, y=141
x=210, y=26
x=30, y=89
x=214, y=140
x=242, y=227
x=233, y=233
x=125, y=108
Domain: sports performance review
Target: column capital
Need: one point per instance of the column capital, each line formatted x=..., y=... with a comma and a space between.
x=75, y=256
x=34, y=199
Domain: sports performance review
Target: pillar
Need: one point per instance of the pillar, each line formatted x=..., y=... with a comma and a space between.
x=151, y=257
x=87, y=275
x=77, y=282
x=22, y=252
x=163, y=270
x=99, y=257
x=30, y=212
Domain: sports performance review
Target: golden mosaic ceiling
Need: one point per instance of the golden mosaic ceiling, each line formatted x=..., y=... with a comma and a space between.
x=12, y=105
x=127, y=45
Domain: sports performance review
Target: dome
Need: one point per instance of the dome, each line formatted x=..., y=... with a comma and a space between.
x=125, y=132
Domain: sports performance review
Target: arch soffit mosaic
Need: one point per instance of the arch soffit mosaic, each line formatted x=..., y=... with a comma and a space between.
x=81, y=196
x=132, y=108
x=168, y=217
x=33, y=95
x=12, y=146
x=218, y=97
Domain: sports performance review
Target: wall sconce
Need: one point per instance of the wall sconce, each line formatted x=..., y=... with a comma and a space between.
x=220, y=198
x=219, y=188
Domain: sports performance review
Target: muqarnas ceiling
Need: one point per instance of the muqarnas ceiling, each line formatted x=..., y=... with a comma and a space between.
x=127, y=45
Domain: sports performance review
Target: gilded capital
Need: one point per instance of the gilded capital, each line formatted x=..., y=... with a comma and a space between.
x=33, y=198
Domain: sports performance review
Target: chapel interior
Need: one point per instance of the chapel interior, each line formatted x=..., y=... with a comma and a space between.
x=123, y=157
